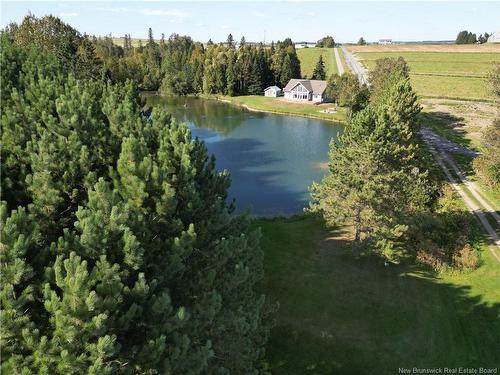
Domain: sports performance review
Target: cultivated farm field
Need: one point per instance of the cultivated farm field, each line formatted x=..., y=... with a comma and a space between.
x=309, y=57
x=446, y=72
x=426, y=48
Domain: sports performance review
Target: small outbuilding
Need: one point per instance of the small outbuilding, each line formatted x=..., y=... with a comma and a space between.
x=273, y=91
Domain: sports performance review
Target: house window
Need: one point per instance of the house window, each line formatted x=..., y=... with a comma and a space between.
x=300, y=92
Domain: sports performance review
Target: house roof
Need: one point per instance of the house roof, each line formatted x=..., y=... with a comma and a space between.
x=272, y=87
x=315, y=86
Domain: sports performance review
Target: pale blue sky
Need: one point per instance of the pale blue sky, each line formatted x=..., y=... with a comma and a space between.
x=300, y=20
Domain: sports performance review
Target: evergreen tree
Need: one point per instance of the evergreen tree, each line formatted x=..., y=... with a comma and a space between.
x=385, y=71
x=319, y=70
x=230, y=41
x=151, y=40
x=119, y=251
x=255, y=79
x=49, y=33
x=361, y=41
x=287, y=70
x=375, y=183
x=242, y=41
x=231, y=76
x=182, y=60
x=466, y=37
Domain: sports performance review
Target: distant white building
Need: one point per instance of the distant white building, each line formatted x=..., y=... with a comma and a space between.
x=385, y=41
x=305, y=90
x=494, y=38
x=273, y=91
x=305, y=44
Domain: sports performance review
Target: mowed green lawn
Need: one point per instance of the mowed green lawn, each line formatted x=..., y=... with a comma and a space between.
x=459, y=75
x=280, y=106
x=309, y=57
x=344, y=314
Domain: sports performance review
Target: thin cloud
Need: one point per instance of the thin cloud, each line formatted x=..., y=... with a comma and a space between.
x=68, y=14
x=256, y=13
x=174, y=15
x=113, y=9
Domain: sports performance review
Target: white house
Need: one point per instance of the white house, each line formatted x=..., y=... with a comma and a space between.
x=494, y=38
x=305, y=44
x=273, y=91
x=385, y=41
x=305, y=90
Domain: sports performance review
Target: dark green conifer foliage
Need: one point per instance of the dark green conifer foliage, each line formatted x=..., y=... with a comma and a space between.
x=49, y=33
x=376, y=183
x=319, y=70
x=287, y=70
x=119, y=252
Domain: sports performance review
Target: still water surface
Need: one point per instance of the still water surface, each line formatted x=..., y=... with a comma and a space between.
x=272, y=159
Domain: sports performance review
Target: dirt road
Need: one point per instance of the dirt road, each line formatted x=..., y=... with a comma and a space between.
x=468, y=191
x=355, y=66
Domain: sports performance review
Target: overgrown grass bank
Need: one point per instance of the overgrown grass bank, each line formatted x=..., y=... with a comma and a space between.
x=347, y=314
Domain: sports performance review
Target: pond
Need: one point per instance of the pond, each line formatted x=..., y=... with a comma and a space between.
x=272, y=159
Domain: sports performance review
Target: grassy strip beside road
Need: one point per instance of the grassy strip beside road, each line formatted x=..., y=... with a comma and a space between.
x=349, y=314
x=309, y=57
x=279, y=106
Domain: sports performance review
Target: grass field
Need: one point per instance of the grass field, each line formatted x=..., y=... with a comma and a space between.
x=309, y=57
x=488, y=47
x=451, y=74
x=346, y=314
x=278, y=105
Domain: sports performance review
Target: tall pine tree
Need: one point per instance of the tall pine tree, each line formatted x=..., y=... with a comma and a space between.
x=119, y=251
x=375, y=182
x=319, y=70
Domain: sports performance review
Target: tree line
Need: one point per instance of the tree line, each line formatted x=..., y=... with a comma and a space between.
x=181, y=66
x=467, y=37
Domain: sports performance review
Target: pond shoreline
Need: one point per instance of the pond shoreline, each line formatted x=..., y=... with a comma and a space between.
x=261, y=110
x=234, y=103
x=273, y=159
